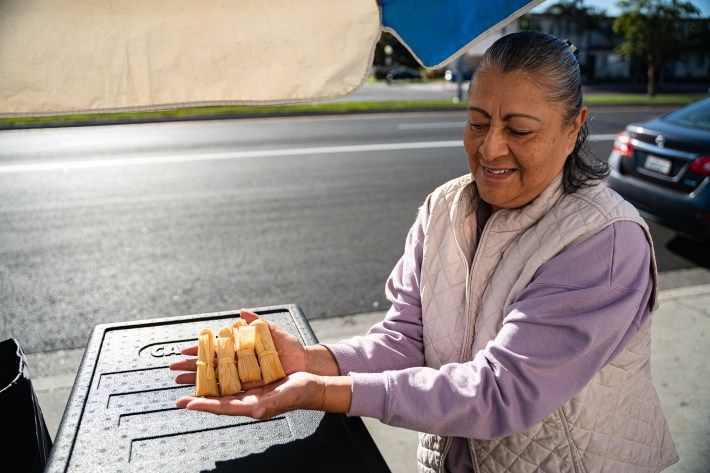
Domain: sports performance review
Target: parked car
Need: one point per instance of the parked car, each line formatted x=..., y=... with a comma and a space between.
x=403, y=72
x=662, y=166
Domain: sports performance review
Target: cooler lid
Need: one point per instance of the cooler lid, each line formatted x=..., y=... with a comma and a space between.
x=121, y=414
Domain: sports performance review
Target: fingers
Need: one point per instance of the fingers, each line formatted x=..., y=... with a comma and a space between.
x=189, y=364
x=186, y=378
x=258, y=403
x=241, y=405
x=252, y=385
x=183, y=402
x=190, y=377
x=248, y=315
x=190, y=351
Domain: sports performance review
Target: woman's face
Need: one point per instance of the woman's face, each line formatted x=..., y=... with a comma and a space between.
x=515, y=138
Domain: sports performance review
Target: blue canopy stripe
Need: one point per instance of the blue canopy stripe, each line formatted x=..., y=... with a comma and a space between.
x=438, y=31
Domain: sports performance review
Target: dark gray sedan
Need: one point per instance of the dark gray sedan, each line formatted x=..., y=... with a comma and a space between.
x=662, y=166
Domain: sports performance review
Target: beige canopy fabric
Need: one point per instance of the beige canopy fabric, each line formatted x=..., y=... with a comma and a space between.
x=70, y=56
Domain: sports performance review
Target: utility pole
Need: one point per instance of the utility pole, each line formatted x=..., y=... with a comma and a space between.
x=458, y=70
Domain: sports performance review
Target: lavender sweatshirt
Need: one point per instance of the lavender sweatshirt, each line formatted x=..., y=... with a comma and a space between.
x=580, y=310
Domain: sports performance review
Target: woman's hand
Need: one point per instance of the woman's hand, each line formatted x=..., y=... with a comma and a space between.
x=297, y=391
x=291, y=352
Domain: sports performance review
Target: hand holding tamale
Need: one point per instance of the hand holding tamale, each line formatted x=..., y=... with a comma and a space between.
x=271, y=368
x=237, y=349
x=206, y=382
x=226, y=365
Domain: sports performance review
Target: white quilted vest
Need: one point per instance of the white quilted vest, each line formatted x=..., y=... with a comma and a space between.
x=462, y=310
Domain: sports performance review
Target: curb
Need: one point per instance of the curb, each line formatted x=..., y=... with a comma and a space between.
x=684, y=292
x=226, y=116
x=281, y=114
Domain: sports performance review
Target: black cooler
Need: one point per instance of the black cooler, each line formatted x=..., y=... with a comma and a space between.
x=121, y=415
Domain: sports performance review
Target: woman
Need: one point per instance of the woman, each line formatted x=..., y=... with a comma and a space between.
x=519, y=333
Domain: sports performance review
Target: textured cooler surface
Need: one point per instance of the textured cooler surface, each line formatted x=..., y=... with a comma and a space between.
x=121, y=415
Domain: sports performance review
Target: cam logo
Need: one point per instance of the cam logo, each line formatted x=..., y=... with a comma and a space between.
x=162, y=350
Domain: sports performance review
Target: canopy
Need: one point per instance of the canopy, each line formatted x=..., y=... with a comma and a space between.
x=71, y=56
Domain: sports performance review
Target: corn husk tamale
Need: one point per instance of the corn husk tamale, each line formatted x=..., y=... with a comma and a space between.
x=226, y=364
x=271, y=369
x=206, y=382
x=235, y=326
x=247, y=364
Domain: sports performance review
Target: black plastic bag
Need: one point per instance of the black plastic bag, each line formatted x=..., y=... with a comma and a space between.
x=24, y=440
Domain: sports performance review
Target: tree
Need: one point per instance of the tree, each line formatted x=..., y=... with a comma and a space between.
x=577, y=22
x=653, y=32
x=577, y=10
x=573, y=17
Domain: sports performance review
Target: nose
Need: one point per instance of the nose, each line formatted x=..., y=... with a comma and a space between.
x=494, y=145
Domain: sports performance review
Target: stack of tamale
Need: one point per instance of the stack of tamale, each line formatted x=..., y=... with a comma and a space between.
x=242, y=341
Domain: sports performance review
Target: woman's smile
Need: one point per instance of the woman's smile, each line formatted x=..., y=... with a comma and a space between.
x=497, y=173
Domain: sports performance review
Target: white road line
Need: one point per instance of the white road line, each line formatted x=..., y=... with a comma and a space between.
x=184, y=158
x=602, y=137
x=425, y=126
x=87, y=164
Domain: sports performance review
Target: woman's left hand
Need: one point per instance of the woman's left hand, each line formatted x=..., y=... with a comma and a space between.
x=297, y=391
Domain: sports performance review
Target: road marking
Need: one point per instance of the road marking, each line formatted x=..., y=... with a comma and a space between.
x=185, y=158
x=88, y=164
x=602, y=137
x=424, y=126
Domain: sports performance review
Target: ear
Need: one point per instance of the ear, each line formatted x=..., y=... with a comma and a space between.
x=574, y=129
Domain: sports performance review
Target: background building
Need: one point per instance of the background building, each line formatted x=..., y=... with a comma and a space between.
x=592, y=33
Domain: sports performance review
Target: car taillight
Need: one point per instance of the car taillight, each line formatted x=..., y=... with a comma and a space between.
x=622, y=144
x=701, y=165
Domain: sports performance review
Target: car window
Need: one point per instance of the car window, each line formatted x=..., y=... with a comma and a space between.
x=696, y=115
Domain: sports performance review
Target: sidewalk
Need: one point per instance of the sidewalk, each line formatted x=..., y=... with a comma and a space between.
x=681, y=371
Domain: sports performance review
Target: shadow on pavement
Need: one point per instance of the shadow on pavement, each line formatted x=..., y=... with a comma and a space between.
x=693, y=250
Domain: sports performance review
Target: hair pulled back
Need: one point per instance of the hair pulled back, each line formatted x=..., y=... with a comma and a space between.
x=553, y=63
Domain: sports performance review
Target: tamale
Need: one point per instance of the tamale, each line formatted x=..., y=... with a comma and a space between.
x=238, y=323
x=247, y=364
x=235, y=331
x=271, y=369
x=226, y=365
x=206, y=382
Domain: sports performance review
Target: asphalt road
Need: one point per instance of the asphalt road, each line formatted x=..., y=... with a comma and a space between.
x=119, y=223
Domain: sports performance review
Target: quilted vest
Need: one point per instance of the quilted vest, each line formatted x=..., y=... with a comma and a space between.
x=615, y=424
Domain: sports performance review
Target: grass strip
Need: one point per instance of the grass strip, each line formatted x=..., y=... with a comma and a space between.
x=240, y=111
x=639, y=99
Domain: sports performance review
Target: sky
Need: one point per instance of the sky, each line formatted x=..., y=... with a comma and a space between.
x=611, y=10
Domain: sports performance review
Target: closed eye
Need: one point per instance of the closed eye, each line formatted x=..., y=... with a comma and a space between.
x=519, y=132
x=478, y=126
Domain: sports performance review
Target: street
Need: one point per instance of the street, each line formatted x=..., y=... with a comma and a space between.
x=130, y=222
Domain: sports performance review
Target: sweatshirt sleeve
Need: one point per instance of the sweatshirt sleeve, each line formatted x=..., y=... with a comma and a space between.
x=564, y=327
x=397, y=341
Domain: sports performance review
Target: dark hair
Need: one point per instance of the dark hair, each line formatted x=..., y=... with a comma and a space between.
x=555, y=66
